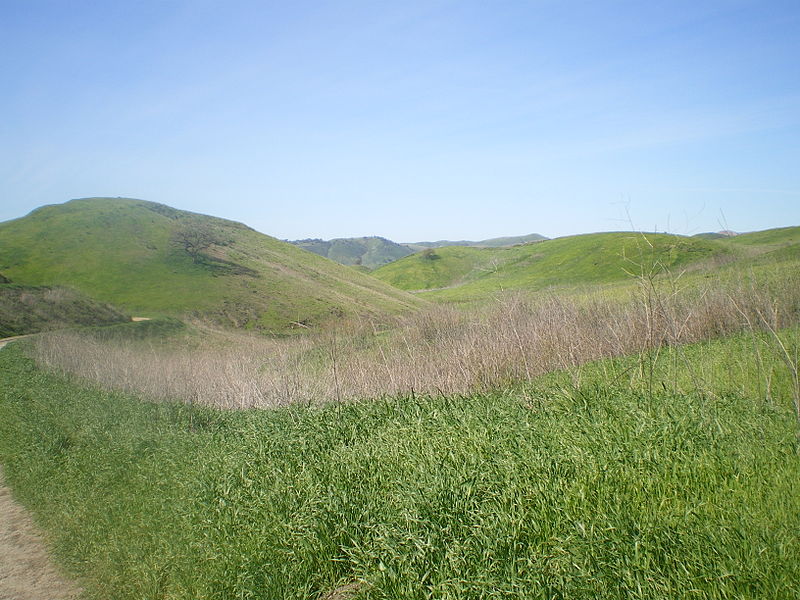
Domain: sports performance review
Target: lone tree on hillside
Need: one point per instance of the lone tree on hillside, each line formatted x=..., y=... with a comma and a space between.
x=195, y=239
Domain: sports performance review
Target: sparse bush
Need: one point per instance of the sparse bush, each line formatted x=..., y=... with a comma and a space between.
x=29, y=309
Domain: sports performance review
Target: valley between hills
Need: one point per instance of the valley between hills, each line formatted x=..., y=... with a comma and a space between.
x=608, y=415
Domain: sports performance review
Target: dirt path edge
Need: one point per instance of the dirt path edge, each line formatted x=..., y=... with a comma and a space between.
x=26, y=570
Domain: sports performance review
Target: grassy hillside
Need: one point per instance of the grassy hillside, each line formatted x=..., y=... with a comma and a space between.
x=594, y=491
x=370, y=252
x=435, y=267
x=769, y=246
x=153, y=259
x=470, y=273
x=782, y=236
x=763, y=247
x=29, y=309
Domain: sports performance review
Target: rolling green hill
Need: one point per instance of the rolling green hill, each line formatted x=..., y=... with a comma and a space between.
x=457, y=273
x=770, y=245
x=153, y=259
x=769, y=239
x=370, y=252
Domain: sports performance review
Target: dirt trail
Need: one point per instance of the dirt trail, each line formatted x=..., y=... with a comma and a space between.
x=5, y=341
x=26, y=572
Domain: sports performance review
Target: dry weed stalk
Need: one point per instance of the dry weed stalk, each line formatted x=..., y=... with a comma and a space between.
x=444, y=350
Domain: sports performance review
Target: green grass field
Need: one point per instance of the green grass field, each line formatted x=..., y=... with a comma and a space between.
x=146, y=258
x=744, y=364
x=572, y=486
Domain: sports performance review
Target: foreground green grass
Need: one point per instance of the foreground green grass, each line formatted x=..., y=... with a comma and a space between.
x=595, y=491
x=744, y=364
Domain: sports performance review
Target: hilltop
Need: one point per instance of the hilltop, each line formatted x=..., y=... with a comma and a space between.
x=373, y=252
x=153, y=259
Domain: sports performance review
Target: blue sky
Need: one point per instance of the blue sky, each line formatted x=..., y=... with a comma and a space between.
x=410, y=120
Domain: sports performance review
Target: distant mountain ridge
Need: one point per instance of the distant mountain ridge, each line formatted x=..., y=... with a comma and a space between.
x=370, y=252
x=499, y=242
x=374, y=251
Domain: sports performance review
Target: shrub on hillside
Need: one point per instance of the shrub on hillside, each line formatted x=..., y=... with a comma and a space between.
x=31, y=309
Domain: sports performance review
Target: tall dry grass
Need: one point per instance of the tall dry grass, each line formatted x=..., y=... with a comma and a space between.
x=444, y=350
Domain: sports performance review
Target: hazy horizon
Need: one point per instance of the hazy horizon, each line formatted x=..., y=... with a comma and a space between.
x=630, y=227
x=421, y=121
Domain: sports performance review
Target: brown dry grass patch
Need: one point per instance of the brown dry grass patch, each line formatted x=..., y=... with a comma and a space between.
x=444, y=350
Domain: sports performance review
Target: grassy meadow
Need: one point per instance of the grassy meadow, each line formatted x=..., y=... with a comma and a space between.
x=568, y=488
x=633, y=434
